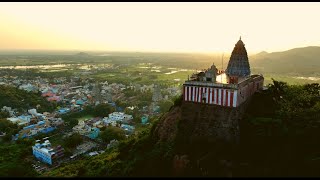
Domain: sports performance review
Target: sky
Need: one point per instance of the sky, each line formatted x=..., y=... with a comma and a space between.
x=159, y=26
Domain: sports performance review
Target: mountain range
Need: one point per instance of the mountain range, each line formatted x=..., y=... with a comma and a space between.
x=297, y=61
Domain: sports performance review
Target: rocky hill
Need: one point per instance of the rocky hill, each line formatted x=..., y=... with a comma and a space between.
x=278, y=132
x=202, y=136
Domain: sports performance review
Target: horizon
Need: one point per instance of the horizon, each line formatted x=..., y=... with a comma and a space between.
x=132, y=51
x=158, y=27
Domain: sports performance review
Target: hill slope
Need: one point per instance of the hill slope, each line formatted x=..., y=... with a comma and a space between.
x=299, y=61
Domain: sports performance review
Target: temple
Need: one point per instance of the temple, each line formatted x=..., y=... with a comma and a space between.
x=230, y=87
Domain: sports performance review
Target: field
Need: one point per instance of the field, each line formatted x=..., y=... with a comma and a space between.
x=170, y=69
x=289, y=79
x=145, y=75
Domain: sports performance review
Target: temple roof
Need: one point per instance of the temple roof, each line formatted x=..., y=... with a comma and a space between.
x=240, y=43
x=239, y=63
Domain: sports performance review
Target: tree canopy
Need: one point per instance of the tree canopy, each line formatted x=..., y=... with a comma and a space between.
x=111, y=133
x=21, y=99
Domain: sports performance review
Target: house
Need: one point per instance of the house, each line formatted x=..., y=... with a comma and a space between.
x=127, y=128
x=117, y=117
x=63, y=110
x=32, y=112
x=79, y=102
x=20, y=120
x=54, y=98
x=97, y=124
x=56, y=121
x=44, y=152
x=144, y=119
x=94, y=133
x=93, y=153
x=8, y=109
x=113, y=143
x=127, y=118
x=34, y=129
x=28, y=87
x=81, y=128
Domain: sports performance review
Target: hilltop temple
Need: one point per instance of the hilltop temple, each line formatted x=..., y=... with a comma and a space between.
x=230, y=87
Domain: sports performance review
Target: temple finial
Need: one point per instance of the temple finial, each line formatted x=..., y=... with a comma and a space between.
x=240, y=37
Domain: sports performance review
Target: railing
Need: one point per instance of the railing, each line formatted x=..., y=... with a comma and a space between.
x=199, y=83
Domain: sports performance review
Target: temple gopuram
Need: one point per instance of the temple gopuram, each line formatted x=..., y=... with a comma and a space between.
x=230, y=87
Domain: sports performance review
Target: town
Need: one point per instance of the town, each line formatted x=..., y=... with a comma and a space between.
x=85, y=108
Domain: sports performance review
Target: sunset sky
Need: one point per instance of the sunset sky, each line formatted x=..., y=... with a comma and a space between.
x=169, y=27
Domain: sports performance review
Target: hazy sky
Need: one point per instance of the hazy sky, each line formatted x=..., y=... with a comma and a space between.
x=190, y=27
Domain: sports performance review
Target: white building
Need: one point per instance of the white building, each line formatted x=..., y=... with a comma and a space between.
x=117, y=117
x=81, y=128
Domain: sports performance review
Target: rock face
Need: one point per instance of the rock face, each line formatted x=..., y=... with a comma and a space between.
x=211, y=122
x=167, y=129
x=207, y=135
x=193, y=121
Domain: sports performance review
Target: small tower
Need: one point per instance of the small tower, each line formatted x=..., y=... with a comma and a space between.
x=97, y=93
x=156, y=94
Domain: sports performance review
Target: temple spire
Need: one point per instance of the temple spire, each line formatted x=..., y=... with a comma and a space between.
x=239, y=62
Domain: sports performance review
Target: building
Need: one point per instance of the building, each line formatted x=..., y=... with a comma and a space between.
x=113, y=143
x=119, y=116
x=9, y=110
x=93, y=153
x=45, y=152
x=144, y=119
x=56, y=121
x=97, y=94
x=229, y=89
x=81, y=128
x=127, y=128
x=94, y=133
x=156, y=96
x=238, y=65
x=21, y=120
x=34, y=129
x=28, y=87
x=63, y=110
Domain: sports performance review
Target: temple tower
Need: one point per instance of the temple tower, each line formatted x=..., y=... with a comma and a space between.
x=238, y=66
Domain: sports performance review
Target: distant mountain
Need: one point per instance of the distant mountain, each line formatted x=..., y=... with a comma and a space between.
x=262, y=53
x=303, y=61
x=82, y=54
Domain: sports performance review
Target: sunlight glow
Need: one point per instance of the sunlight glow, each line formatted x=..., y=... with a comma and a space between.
x=174, y=27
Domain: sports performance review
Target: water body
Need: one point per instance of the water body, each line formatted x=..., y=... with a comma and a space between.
x=308, y=78
x=172, y=72
x=36, y=67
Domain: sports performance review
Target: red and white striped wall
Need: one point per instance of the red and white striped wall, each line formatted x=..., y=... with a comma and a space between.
x=210, y=95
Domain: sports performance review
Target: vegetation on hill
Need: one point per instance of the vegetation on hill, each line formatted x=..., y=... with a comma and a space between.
x=279, y=136
x=111, y=133
x=15, y=159
x=21, y=99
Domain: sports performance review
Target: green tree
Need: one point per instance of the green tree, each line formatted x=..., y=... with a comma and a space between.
x=178, y=100
x=111, y=133
x=165, y=105
x=73, y=141
x=103, y=110
x=4, y=114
